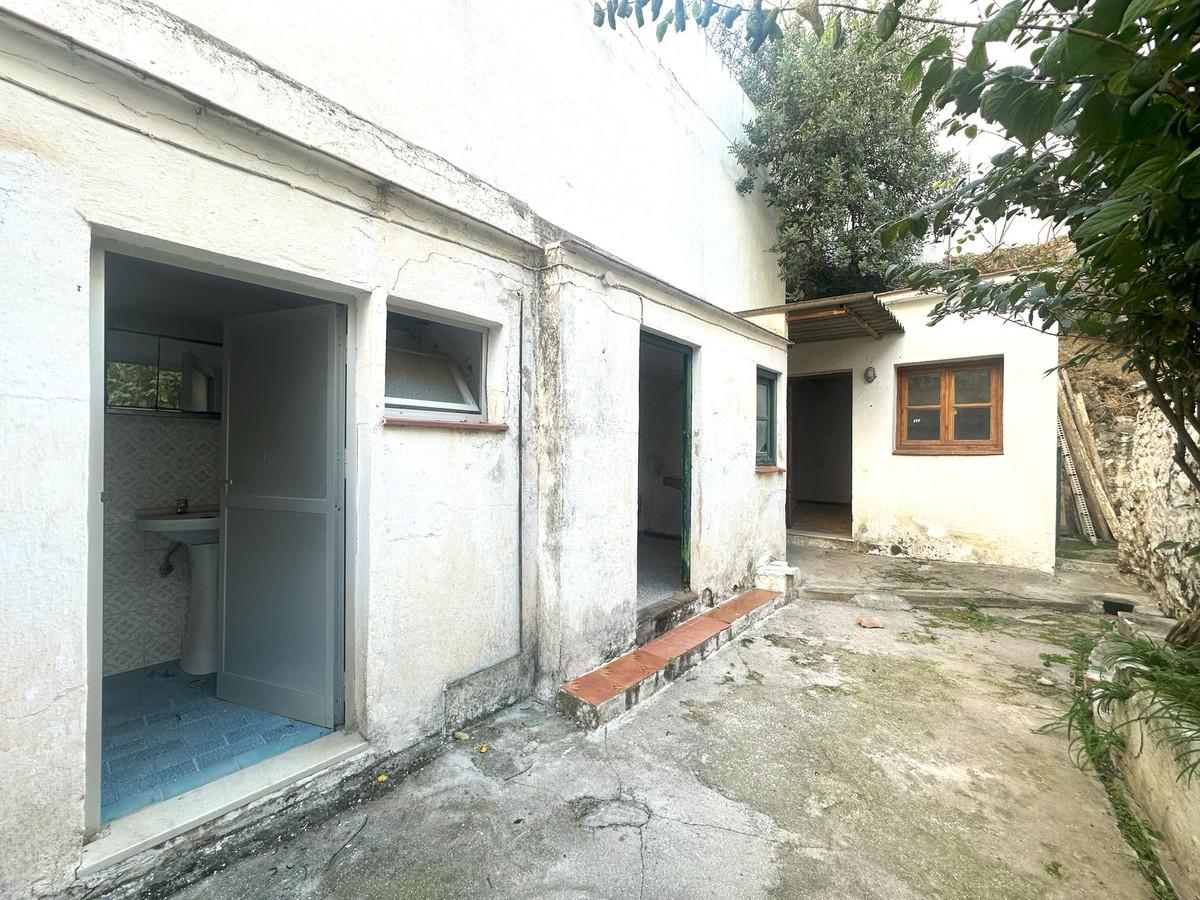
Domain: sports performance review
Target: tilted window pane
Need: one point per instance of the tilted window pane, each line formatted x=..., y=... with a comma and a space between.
x=923, y=424
x=925, y=389
x=973, y=386
x=764, y=436
x=419, y=376
x=974, y=423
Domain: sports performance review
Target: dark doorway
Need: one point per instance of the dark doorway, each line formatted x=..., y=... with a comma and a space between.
x=664, y=469
x=821, y=453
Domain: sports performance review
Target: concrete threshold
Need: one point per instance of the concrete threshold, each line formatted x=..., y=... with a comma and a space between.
x=146, y=828
x=604, y=693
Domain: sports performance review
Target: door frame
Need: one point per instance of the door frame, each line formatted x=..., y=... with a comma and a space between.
x=791, y=463
x=685, y=527
x=353, y=588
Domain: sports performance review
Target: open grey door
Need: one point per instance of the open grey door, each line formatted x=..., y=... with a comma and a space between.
x=281, y=607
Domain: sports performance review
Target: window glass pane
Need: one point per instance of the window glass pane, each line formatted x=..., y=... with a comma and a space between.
x=973, y=386
x=418, y=376
x=763, y=445
x=925, y=389
x=764, y=399
x=923, y=425
x=973, y=423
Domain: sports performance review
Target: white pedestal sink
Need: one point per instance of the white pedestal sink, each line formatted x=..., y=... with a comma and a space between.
x=201, y=532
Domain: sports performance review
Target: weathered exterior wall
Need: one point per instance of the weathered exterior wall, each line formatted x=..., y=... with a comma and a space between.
x=990, y=509
x=593, y=322
x=1171, y=805
x=608, y=134
x=90, y=153
x=149, y=462
x=1159, y=504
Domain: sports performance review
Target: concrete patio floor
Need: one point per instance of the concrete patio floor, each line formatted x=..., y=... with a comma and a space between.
x=840, y=574
x=809, y=758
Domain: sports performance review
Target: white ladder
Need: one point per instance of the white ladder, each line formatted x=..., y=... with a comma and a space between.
x=1085, y=518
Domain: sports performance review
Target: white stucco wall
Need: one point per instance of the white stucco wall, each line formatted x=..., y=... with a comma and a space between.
x=608, y=134
x=88, y=153
x=991, y=509
x=588, y=516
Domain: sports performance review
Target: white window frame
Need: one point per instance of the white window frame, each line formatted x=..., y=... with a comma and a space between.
x=473, y=411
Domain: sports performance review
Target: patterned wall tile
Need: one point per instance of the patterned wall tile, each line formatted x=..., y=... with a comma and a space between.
x=150, y=461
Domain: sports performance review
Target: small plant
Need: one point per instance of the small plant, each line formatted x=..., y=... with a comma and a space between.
x=1093, y=743
x=1049, y=659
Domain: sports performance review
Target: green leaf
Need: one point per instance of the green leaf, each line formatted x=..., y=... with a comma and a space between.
x=731, y=15
x=638, y=14
x=892, y=232
x=598, y=15
x=661, y=31
x=1141, y=9
x=655, y=9
x=1148, y=175
x=1111, y=217
x=999, y=26
x=834, y=36
x=624, y=9
x=1168, y=545
x=680, y=15
x=977, y=59
x=612, y=14
x=886, y=21
x=911, y=76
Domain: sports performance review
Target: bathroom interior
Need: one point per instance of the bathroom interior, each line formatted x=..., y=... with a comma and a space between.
x=166, y=725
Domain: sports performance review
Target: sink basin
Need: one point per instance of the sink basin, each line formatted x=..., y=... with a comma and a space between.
x=187, y=528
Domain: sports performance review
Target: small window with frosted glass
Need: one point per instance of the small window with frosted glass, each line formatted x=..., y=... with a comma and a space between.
x=434, y=370
x=950, y=409
x=764, y=419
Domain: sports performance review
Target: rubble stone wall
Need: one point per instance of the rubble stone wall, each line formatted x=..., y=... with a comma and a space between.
x=1159, y=504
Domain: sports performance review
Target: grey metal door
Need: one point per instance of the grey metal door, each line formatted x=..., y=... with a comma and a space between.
x=280, y=618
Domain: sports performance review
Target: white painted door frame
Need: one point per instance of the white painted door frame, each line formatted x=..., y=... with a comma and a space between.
x=357, y=303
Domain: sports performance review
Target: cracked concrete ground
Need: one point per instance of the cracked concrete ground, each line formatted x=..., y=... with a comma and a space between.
x=810, y=758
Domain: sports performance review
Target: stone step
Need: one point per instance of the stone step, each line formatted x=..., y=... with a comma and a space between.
x=604, y=693
x=659, y=618
x=797, y=538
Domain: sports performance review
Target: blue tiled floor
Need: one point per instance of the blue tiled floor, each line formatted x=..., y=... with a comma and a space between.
x=165, y=732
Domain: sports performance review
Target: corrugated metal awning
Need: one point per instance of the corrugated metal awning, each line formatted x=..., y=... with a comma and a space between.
x=835, y=318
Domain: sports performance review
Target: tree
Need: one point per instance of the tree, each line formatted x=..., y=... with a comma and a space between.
x=1104, y=126
x=836, y=151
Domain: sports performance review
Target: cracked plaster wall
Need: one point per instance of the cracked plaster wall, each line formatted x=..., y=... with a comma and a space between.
x=588, y=502
x=433, y=574
x=998, y=509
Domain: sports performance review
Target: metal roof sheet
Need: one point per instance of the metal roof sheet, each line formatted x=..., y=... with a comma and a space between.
x=835, y=318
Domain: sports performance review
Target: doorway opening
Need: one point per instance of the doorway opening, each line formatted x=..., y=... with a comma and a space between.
x=821, y=454
x=664, y=470
x=223, y=557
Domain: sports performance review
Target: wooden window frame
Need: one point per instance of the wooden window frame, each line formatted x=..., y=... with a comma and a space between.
x=946, y=445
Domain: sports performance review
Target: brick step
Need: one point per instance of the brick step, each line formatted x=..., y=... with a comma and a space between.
x=604, y=693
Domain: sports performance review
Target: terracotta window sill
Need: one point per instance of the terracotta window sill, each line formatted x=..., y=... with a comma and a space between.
x=769, y=470
x=402, y=421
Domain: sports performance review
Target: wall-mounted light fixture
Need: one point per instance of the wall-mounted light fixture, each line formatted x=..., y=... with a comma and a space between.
x=869, y=374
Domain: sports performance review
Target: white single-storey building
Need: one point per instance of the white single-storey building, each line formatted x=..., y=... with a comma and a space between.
x=911, y=440
x=362, y=375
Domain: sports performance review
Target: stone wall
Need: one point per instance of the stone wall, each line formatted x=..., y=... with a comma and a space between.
x=1112, y=406
x=1159, y=504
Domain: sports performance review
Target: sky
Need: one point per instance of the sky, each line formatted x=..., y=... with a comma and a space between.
x=976, y=152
